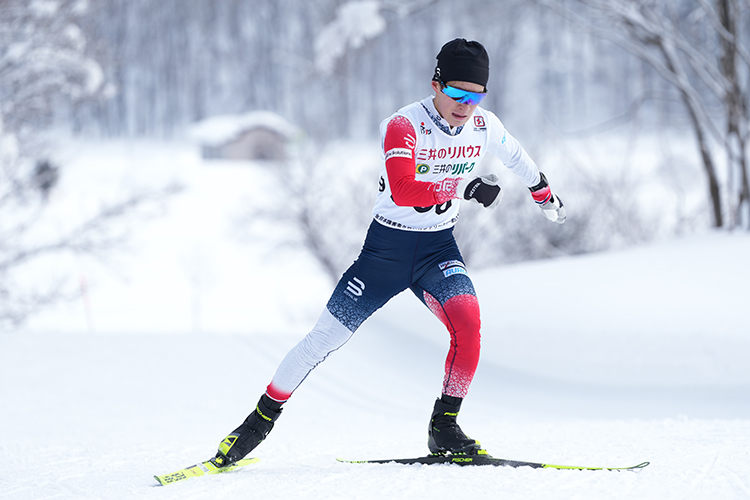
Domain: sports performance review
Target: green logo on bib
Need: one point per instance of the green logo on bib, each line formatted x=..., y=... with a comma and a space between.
x=423, y=168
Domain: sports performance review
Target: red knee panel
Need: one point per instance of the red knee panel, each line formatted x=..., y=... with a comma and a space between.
x=460, y=314
x=276, y=394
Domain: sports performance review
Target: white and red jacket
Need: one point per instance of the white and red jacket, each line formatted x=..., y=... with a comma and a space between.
x=424, y=159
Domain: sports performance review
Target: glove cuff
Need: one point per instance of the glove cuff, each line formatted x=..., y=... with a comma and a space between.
x=541, y=192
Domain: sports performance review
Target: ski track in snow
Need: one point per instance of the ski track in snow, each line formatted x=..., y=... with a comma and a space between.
x=642, y=357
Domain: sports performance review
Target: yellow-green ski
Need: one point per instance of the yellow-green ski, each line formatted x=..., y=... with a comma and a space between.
x=202, y=469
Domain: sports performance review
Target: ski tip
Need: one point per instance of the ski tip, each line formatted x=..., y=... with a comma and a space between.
x=633, y=467
x=201, y=469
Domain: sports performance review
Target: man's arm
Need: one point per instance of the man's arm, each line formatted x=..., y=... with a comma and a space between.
x=398, y=145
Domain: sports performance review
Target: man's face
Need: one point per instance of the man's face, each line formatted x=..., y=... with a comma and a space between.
x=455, y=113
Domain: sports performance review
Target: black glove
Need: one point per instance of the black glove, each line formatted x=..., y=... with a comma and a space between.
x=485, y=190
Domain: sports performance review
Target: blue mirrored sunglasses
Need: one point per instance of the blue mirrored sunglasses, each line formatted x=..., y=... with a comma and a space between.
x=463, y=96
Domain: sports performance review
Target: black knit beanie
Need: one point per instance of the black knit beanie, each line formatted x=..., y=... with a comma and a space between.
x=464, y=61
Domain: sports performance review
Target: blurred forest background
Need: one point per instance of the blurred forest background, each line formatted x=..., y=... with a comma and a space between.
x=637, y=110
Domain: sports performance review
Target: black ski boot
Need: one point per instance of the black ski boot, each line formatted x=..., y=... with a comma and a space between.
x=250, y=433
x=444, y=434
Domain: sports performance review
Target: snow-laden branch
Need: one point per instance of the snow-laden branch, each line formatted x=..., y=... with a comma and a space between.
x=355, y=23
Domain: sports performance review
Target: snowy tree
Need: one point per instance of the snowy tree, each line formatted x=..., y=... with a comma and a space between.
x=44, y=65
x=700, y=50
x=43, y=62
x=355, y=22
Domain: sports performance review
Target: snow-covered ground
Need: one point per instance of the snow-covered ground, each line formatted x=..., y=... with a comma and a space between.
x=602, y=360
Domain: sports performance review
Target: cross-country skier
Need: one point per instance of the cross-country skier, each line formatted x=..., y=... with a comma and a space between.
x=430, y=150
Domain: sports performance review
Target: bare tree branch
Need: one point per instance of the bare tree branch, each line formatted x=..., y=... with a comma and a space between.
x=706, y=78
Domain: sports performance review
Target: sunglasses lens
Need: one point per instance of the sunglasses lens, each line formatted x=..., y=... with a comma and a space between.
x=464, y=96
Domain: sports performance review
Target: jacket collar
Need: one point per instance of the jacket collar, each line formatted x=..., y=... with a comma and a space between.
x=429, y=107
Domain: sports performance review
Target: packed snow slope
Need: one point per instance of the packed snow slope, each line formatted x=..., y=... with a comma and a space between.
x=598, y=360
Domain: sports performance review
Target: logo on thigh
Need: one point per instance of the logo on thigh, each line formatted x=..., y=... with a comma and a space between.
x=355, y=289
x=452, y=267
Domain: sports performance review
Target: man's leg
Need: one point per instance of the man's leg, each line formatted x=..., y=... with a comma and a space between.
x=376, y=276
x=448, y=292
x=327, y=336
